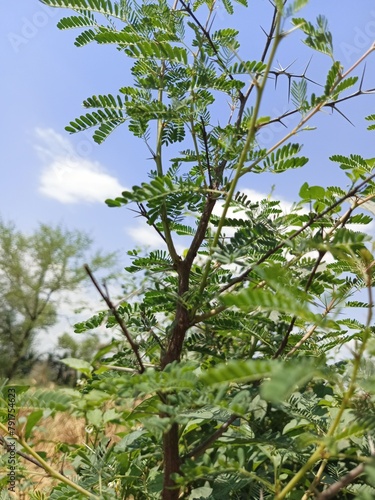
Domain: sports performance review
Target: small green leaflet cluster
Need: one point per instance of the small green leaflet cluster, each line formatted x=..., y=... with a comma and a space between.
x=318, y=37
x=355, y=166
x=285, y=158
x=156, y=190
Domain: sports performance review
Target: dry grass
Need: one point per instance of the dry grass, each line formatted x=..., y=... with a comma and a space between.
x=47, y=437
x=63, y=428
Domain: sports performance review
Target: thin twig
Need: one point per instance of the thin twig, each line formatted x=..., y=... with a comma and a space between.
x=312, y=329
x=210, y=41
x=335, y=488
x=159, y=168
x=144, y=213
x=118, y=318
x=120, y=368
x=201, y=448
x=262, y=59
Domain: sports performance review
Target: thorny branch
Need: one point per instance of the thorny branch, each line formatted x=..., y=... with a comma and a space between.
x=262, y=59
x=331, y=105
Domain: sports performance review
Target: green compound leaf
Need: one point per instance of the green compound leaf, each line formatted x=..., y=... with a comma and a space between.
x=238, y=371
x=285, y=158
x=79, y=365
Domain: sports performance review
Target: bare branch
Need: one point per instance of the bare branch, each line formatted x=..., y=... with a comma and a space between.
x=335, y=488
x=118, y=318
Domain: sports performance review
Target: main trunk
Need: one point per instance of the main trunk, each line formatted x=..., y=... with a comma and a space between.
x=171, y=463
x=170, y=438
x=173, y=353
x=174, y=348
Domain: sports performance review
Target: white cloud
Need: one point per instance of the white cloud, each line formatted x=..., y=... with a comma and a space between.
x=146, y=236
x=68, y=176
x=256, y=196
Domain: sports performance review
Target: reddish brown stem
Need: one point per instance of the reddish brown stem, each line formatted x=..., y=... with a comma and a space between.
x=171, y=463
x=118, y=318
x=173, y=352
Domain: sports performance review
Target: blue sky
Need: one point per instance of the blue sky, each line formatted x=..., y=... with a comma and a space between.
x=50, y=176
x=45, y=78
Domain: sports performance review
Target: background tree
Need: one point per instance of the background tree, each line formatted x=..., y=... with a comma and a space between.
x=35, y=271
x=85, y=349
x=225, y=386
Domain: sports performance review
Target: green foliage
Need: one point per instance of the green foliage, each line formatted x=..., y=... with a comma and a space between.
x=355, y=166
x=318, y=38
x=284, y=159
x=299, y=94
x=333, y=76
x=224, y=383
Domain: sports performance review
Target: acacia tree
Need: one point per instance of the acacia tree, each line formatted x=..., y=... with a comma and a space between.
x=226, y=351
x=34, y=271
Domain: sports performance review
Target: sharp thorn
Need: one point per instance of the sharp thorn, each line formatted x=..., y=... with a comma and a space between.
x=342, y=114
x=363, y=76
x=307, y=66
x=312, y=81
